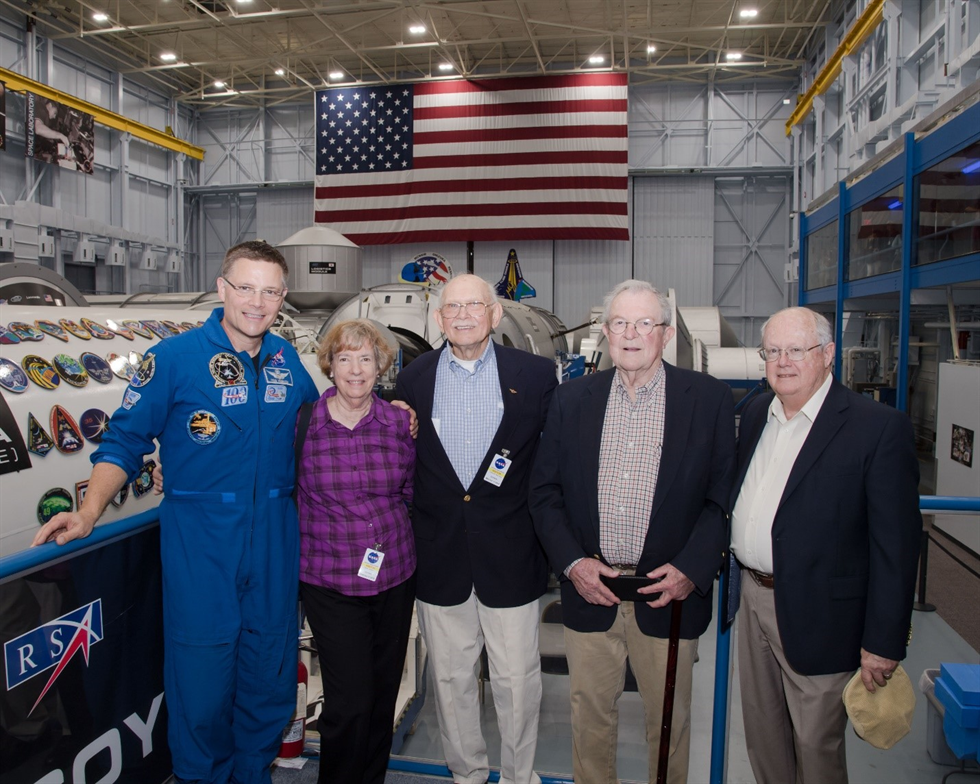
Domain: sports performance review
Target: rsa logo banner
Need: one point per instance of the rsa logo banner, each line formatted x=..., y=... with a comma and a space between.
x=52, y=645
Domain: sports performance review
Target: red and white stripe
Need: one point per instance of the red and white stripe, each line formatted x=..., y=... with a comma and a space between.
x=505, y=159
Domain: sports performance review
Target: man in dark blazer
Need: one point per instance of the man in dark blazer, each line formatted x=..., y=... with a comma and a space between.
x=633, y=476
x=481, y=408
x=826, y=530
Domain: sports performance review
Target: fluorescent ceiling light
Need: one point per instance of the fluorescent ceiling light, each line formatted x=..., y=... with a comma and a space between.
x=786, y=102
x=748, y=13
x=416, y=29
x=219, y=84
x=280, y=71
x=99, y=16
x=651, y=49
x=335, y=75
x=733, y=56
x=168, y=57
x=597, y=59
x=445, y=66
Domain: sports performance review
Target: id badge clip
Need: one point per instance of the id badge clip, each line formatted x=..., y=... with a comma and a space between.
x=498, y=468
x=371, y=564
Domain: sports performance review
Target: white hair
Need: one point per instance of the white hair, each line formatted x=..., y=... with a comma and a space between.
x=821, y=326
x=488, y=290
x=639, y=286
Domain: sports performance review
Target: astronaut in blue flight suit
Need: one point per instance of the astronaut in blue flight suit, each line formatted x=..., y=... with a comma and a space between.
x=222, y=401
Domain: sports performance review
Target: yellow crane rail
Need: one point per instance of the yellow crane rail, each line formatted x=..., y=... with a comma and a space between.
x=15, y=81
x=863, y=26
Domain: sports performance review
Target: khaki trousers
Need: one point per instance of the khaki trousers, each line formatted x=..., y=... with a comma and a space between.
x=794, y=724
x=597, y=674
x=454, y=637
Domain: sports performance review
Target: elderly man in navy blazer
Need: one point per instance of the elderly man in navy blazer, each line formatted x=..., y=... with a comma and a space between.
x=634, y=476
x=481, y=408
x=826, y=528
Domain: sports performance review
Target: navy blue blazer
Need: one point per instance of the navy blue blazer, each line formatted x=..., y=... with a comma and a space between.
x=846, y=536
x=479, y=536
x=688, y=521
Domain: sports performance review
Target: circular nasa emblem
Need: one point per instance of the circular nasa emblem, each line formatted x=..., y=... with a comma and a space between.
x=203, y=427
x=144, y=372
x=75, y=329
x=71, y=370
x=39, y=371
x=499, y=463
x=372, y=557
x=56, y=500
x=97, y=330
x=137, y=328
x=52, y=329
x=121, y=366
x=98, y=369
x=12, y=378
x=227, y=370
x=94, y=424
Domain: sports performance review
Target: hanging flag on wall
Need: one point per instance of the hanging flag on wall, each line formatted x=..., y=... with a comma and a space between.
x=499, y=159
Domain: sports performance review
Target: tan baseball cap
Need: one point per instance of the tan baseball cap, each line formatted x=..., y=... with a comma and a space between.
x=884, y=717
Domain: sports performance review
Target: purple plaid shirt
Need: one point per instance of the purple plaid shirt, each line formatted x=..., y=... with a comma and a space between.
x=354, y=490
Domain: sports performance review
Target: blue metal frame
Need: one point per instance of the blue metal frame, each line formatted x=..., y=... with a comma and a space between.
x=917, y=156
x=719, y=723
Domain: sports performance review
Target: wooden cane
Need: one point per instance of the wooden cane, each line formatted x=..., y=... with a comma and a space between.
x=671, y=680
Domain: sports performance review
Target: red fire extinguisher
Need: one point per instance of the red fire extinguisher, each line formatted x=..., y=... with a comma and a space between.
x=295, y=732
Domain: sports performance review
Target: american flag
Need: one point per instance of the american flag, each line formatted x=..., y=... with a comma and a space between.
x=502, y=159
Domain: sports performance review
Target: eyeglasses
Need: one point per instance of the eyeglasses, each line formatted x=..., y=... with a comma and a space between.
x=795, y=353
x=246, y=292
x=642, y=327
x=453, y=309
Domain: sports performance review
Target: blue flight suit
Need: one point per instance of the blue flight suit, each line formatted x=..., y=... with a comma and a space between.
x=229, y=540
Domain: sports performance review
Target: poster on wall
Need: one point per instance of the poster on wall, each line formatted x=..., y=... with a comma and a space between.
x=59, y=134
x=3, y=116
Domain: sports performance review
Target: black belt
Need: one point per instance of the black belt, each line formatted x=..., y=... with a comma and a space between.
x=762, y=579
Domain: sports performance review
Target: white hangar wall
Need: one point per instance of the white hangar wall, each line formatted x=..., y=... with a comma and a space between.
x=710, y=170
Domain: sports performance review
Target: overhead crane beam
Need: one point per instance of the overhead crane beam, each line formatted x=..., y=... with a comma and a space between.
x=857, y=35
x=18, y=83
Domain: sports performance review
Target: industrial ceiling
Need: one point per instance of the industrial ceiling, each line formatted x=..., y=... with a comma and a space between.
x=262, y=52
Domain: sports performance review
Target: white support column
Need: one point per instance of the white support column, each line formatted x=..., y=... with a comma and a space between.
x=819, y=146
x=124, y=206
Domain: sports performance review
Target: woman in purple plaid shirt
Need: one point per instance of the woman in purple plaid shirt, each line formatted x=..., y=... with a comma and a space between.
x=357, y=552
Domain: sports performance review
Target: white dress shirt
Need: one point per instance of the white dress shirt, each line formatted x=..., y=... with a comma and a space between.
x=762, y=490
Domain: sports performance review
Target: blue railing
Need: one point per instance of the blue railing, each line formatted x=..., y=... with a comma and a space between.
x=34, y=557
x=723, y=645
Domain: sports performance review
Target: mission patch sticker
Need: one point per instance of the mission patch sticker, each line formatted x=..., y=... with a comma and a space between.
x=203, y=427
x=56, y=500
x=64, y=430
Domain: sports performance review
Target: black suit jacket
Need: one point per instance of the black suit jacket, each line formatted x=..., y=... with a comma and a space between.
x=688, y=521
x=479, y=536
x=846, y=534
